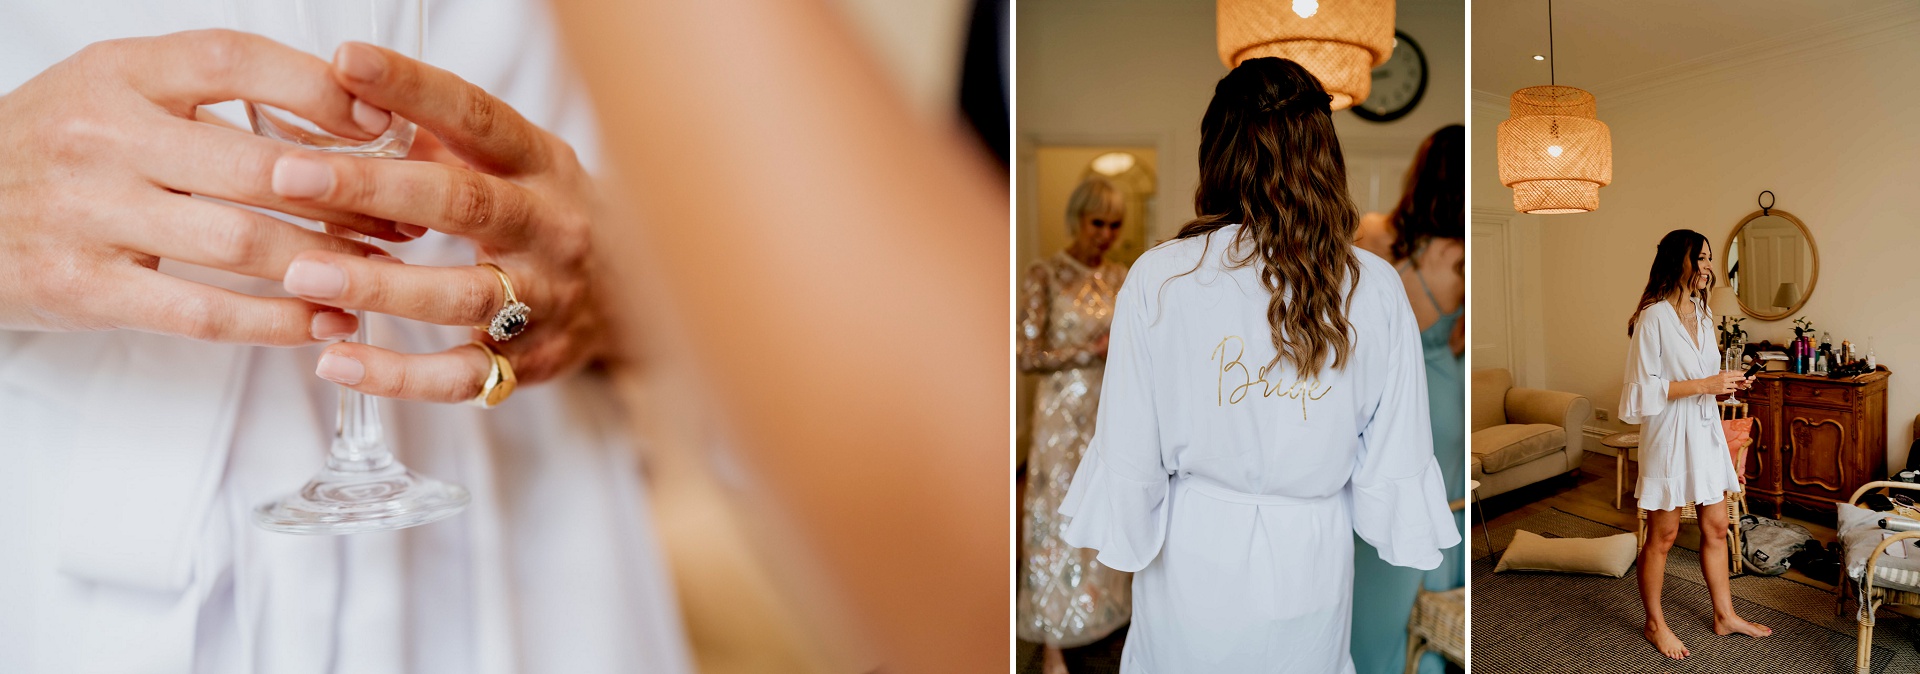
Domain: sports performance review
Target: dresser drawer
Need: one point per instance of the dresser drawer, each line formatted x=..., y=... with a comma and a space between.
x=1816, y=393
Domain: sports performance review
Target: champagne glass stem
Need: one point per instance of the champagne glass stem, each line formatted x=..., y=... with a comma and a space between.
x=358, y=442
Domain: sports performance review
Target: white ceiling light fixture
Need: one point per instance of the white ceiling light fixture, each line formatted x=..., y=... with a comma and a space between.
x=1113, y=163
x=1554, y=151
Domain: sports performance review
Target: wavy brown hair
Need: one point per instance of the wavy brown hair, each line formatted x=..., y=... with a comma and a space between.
x=1674, y=265
x=1269, y=160
x=1433, y=203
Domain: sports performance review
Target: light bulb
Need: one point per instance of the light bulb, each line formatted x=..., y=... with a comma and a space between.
x=1554, y=150
x=1113, y=163
x=1306, y=8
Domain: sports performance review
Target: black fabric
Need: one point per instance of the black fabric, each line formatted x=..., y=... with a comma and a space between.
x=983, y=94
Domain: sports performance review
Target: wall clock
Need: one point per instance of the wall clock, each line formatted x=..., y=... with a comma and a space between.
x=1398, y=84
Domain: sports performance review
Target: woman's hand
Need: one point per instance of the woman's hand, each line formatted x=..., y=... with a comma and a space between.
x=102, y=151
x=515, y=190
x=1721, y=383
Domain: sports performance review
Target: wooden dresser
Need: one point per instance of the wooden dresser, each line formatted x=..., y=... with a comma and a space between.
x=1818, y=439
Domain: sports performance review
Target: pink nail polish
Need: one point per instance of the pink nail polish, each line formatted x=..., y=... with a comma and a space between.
x=301, y=177
x=340, y=369
x=410, y=230
x=371, y=119
x=317, y=280
x=333, y=325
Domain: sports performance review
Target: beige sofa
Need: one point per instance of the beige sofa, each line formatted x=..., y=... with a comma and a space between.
x=1521, y=435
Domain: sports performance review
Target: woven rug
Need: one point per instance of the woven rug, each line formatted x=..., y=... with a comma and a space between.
x=1550, y=622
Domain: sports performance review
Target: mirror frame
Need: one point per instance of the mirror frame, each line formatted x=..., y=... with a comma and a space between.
x=1814, y=248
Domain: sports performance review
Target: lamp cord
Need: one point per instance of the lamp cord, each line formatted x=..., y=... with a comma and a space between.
x=1550, y=73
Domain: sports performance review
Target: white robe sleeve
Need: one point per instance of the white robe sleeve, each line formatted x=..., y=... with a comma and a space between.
x=1399, y=497
x=1643, y=394
x=1118, y=501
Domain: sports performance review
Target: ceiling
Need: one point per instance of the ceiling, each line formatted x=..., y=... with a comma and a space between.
x=1606, y=44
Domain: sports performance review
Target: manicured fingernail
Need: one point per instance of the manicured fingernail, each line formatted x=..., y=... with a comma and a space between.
x=385, y=258
x=333, y=325
x=360, y=62
x=371, y=119
x=411, y=231
x=318, y=280
x=301, y=177
x=340, y=369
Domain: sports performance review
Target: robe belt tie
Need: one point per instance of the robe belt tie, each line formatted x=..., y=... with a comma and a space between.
x=1219, y=491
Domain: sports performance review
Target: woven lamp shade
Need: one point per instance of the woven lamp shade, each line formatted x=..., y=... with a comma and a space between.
x=1553, y=152
x=1339, y=41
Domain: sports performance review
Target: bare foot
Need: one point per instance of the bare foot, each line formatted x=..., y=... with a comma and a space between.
x=1737, y=625
x=1664, y=640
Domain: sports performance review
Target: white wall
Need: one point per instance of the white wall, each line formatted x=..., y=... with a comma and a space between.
x=1831, y=131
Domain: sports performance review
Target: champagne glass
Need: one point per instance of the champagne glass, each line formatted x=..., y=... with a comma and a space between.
x=362, y=486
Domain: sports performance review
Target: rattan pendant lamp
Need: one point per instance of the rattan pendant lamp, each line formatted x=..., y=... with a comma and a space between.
x=1339, y=41
x=1553, y=152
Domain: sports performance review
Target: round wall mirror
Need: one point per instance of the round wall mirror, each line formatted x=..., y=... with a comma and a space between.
x=1771, y=264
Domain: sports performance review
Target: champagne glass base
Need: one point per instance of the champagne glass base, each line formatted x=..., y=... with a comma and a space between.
x=343, y=503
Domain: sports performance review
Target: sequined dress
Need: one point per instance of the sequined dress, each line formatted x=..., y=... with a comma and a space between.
x=1065, y=598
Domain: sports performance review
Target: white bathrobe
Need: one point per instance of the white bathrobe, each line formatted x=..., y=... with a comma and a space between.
x=132, y=461
x=1234, y=494
x=1683, y=449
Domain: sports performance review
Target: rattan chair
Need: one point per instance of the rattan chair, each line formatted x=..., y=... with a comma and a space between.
x=1872, y=598
x=1736, y=500
x=1439, y=622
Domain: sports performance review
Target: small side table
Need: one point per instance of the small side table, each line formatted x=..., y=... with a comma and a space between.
x=1626, y=447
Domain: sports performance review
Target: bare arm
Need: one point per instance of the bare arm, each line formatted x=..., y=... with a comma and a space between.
x=840, y=270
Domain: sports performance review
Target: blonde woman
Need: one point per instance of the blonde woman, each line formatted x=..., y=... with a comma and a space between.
x=1065, y=599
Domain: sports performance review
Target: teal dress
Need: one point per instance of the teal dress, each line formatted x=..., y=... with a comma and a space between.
x=1382, y=593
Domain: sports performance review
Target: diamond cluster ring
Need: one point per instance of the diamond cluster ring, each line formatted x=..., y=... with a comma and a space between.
x=512, y=318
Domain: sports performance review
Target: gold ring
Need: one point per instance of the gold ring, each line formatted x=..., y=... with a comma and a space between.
x=512, y=317
x=500, y=379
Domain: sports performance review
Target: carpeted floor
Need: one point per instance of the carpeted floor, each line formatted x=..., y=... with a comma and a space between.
x=1542, y=622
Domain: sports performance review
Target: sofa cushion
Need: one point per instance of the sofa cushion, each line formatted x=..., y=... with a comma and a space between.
x=1490, y=398
x=1505, y=446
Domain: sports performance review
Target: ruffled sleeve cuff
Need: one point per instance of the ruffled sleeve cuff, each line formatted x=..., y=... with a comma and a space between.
x=1124, y=518
x=1642, y=399
x=1406, y=519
